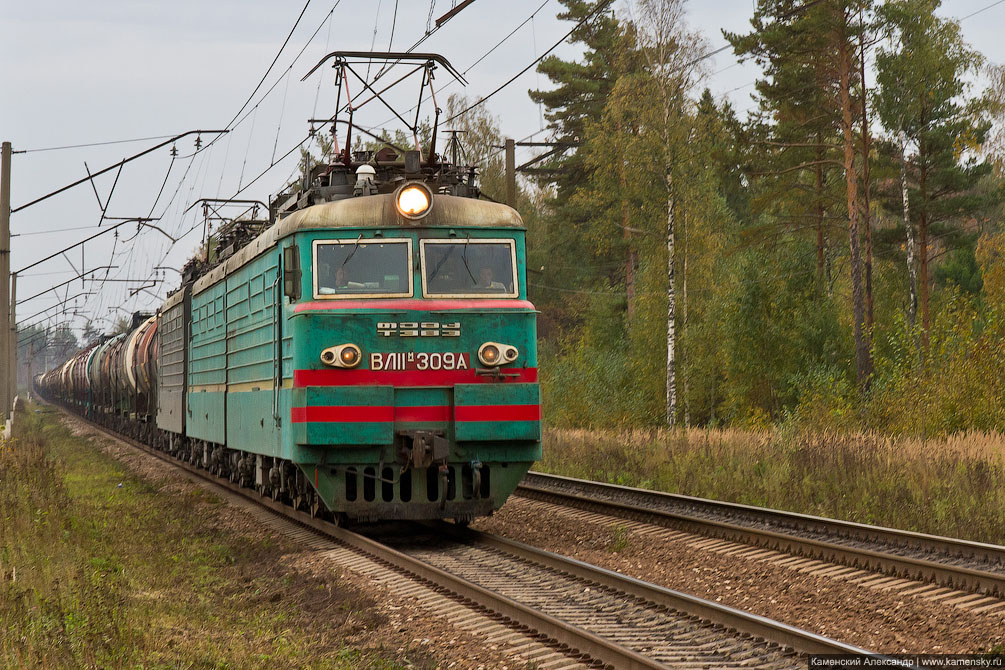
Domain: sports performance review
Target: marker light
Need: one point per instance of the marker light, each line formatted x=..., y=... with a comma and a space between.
x=342, y=356
x=413, y=201
x=492, y=354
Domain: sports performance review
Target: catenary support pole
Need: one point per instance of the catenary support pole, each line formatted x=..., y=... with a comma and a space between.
x=12, y=343
x=5, y=321
x=511, y=173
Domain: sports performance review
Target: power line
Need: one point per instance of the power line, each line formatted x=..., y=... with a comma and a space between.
x=469, y=68
x=596, y=10
x=984, y=9
x=92, y=144
x=271, y=65
x=394, y=22
x=376, y=24
x=91, y=176
x=511, y=33
x=292, y=63
x=50, y=232
x=239, y=119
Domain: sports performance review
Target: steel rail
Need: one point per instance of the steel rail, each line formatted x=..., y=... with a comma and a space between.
x=744, y=622
x=595, y=496
x=575, y=641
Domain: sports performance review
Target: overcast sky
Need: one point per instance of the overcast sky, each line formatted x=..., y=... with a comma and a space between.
x=81, y=72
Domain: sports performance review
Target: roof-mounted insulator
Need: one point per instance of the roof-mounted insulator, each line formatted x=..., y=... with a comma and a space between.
x=366, y=181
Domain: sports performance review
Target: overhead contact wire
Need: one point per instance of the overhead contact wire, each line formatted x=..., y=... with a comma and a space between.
x=600, y=7
x=264, y=76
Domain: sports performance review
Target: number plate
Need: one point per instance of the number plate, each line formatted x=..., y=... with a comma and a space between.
x=421, y=360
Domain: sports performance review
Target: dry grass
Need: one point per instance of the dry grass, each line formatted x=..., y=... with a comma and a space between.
x=99, y=569
x=948, y=486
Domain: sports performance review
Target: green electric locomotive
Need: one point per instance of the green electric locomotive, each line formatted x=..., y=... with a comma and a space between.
x=373, y=356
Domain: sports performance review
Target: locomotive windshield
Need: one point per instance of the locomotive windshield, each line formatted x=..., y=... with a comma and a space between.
x=376, y=268
x=469, y=268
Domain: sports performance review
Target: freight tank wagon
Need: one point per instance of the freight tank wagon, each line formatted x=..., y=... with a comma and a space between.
x=373, y=356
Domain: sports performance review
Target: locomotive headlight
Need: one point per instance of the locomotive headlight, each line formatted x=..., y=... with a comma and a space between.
x=413, y=200
x=492, y=354
x=488, y=354
x=349, y=356
x=342, y=356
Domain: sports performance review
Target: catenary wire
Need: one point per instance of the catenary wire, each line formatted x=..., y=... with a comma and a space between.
x=92, y=144
x=600, y=7
x=271, y=65
x=983, y=9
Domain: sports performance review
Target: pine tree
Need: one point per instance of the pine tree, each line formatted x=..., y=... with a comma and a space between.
x=581, y=89
x=810, y=54
x=565, y=252
x=922, y=79
x=798, y=147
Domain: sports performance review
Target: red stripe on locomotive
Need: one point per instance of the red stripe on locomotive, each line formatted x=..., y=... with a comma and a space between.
x=386, y=413
x=303, y=378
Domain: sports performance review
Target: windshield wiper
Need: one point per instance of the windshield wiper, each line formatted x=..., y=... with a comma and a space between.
x=351, y=253
x=443, y=260
x=464, y=257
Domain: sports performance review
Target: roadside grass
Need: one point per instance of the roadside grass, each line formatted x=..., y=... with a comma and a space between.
x=951, y=486
x=100, y=569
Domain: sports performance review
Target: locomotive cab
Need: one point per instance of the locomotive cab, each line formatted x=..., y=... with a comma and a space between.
x=413, y=360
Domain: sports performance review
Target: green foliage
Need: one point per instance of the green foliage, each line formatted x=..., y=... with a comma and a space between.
x=761, y=249
x=581, y=89
x=956, y=385
x=795, y=143
x=960, y=270
x=782, y=331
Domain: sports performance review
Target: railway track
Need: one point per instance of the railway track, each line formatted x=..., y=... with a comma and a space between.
x=948, y=562
x=594, y=617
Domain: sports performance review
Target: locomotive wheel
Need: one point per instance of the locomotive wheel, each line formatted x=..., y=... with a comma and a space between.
x=316, y=506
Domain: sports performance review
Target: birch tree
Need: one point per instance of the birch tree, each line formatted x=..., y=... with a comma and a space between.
x=912, y=270
x=671, y=54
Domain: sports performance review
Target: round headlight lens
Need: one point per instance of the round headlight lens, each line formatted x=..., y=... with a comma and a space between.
x=489, y=355
x=413, y=201
x=350, y=356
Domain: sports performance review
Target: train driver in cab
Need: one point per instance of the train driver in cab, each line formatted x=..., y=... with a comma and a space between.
x=486, y=280
x=342, y=281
